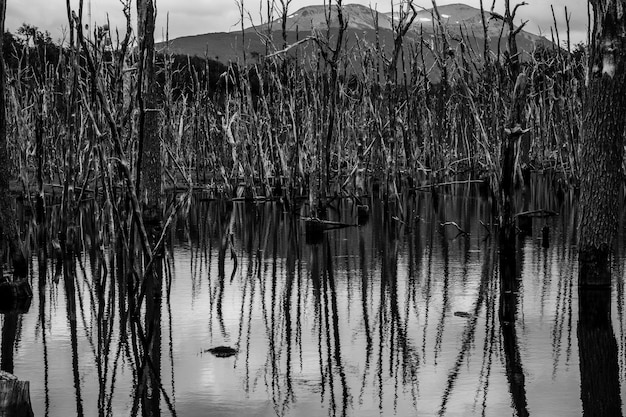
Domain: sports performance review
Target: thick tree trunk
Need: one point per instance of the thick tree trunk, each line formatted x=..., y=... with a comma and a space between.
x=601, y=182
x=149, y=183
x=512, y=136
x=509, y=278
x=602, y=142
x=15, y=398
x=149, y=165
x=513, y=132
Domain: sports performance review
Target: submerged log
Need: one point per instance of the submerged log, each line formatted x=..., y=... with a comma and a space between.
x=525, y=219
x=315, y=228
x=537, y=213
x=15, y=398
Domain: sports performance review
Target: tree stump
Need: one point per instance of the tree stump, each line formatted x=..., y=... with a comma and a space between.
x=14, y=397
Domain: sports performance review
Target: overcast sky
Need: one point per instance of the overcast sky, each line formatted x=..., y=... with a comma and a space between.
x=192, y=17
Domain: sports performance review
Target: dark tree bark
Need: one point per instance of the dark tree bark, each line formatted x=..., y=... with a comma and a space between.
x=602, y=142
x=149, y=192
x=511, y=139
x=149, y=162
x=601, y=181
x=509, y=277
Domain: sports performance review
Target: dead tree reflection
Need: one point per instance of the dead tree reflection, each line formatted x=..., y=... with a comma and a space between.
x=469, y=333
x=42, y=279
x=339, y=322
x=509, y=292
x=9, y=332
x=69, y=282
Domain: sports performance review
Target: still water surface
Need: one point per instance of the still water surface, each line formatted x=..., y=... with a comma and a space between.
x=396, y=317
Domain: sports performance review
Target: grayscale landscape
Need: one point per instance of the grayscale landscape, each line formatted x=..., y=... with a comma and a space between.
x=287, y=208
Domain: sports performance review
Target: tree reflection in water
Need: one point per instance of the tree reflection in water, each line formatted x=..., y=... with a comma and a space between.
x=396, y=317
x=509, y=292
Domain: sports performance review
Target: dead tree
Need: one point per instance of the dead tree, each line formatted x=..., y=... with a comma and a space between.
x=149, y=189
x=8, y=223
x=602, y=141
x=331, y=55
x=406, y=17
x=512, y=137
x=284, y=15
x=149, y=158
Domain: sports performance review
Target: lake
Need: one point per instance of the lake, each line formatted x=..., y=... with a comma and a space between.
x=404, y=315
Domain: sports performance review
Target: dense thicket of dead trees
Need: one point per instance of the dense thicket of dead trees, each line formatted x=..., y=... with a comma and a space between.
x=8, y=226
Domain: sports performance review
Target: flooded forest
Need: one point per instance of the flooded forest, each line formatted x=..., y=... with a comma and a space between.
x=388, y=226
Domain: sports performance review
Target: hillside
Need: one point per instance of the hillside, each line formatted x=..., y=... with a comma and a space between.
x=459, y=19
x=359, y=17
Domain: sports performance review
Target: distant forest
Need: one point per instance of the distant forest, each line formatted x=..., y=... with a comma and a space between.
x=30, y=50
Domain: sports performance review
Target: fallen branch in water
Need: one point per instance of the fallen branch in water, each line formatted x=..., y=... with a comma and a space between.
x=326, y=224
x=443, y=184
x=537, y=213
x=461, y=231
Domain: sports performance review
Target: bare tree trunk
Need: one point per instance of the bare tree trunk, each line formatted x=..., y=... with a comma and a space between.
x=512, y=138
x=8, y=222
x=149, y=159
x=509, y=277
x=602, y=142
x=149, y=189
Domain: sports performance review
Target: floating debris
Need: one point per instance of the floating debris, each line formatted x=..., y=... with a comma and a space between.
x=222, y=351
x=463, y=314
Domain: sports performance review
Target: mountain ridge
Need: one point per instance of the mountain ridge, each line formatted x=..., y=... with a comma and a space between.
x=459, y=20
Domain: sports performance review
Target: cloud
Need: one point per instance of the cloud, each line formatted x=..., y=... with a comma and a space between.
x=192, y=17
x=541, y=21
x=44, y=15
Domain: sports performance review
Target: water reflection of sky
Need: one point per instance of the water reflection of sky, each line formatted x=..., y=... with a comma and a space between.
x=393, y=318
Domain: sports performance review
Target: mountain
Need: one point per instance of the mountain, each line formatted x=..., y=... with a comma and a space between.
x=459, y=20
x=457, y=17
x=359, y=17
